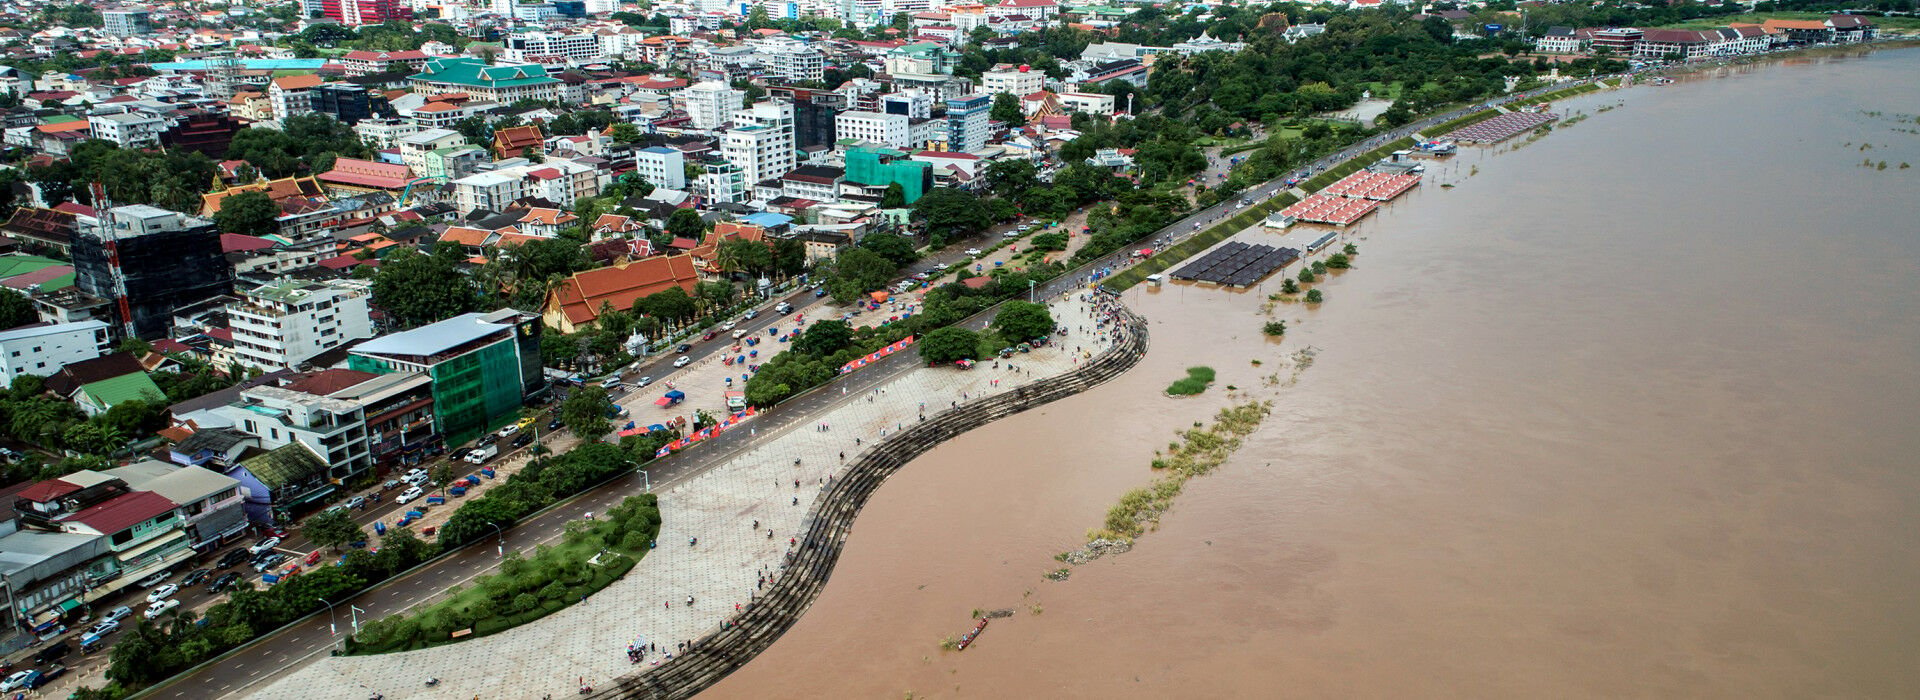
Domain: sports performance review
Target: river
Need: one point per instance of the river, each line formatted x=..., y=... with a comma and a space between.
x=1629, y=412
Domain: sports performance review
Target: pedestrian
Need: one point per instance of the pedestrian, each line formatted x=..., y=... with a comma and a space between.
x=796, y=500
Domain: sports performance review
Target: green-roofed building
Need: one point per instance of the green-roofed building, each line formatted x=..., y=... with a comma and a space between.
x=95, y=398
x=876, y=168
x=11, y=265
x=505, y=84
x=291, y=475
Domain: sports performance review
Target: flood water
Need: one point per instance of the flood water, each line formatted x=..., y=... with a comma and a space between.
x=1631, y=411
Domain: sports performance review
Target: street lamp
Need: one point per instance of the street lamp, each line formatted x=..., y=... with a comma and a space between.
x=646, y=480
x=353, y=615
x=331, y=627
x=500, y=547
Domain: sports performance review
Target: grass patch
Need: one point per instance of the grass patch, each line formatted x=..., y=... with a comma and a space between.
x=1199, y=451
x=1564, y=94
x=1195, y=382
x=525, y=589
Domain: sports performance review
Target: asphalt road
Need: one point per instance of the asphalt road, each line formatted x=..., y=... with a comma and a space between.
x=307, y=639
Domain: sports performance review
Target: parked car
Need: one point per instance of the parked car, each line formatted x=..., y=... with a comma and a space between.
x=154, y=580
x=44, y=677
x=682, y=361
x=232, y=559
x=410, y=495
x=975, y=252
x=742, y=333
x=270, y=562
x=225, y=582
x=195, y=577
x=162, y=593
x=161, y=608
x=16, y=681
x=103, y=627
x=265, y=545
x=117, y=614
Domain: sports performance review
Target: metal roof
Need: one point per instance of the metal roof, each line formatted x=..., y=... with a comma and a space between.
x=433, y=338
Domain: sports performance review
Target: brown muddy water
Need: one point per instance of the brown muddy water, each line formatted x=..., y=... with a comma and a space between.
x=1632, y=411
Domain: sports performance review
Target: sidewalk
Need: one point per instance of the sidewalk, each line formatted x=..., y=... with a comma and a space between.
x=720, y=507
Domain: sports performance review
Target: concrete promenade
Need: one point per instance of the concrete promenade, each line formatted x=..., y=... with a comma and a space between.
x=730, y=509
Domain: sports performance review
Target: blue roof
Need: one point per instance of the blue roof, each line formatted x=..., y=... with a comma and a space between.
x=249, y=64
x=657, y=149
x=767, y=220
x=433, y=338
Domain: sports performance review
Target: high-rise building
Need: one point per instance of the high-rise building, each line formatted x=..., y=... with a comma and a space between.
x=875, y=127
x=126, y=22
x=709, y=103
x=662, y=166
x=292, y=95
x=967, y=122
x=145, y=262
x=814, y=114
x=1018, y=81
x=484, y=367
x=792, y=61
x=280, y=325
x=348, y=103
x=761, y=141
x=354, y=13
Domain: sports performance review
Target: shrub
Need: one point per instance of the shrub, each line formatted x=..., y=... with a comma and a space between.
x=1315, y=297
x=1275, y=328
x=1195, y=382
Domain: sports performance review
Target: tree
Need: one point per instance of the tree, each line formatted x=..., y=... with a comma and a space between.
x=249, y=213
x=1006, y=108
x=895, y=197
x=625, y=132
x=686, y=223
x=1288, y=286
x=672, y=304
x=1020, y=321
x=857, y=271
x=1010, y=178
x=1314, y=296
x=824, y=338
x=16, y=310
x=1338, y=261
x=418, y=289
x=1306, y=276
x=949, y=344
x=951, y=214
x=585, y=412
x=333, y=529
x=716, y=295
x=740, y=255
x=897, y=249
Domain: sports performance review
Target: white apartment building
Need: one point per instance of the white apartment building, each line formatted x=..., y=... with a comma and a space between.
x=292, y=95
x=385, y=133
x=792, y=61
x=335, y=429
x=1018, y=81
x=43, y=350
x=662, y=166
x=532, y=47
x=415, y=147
x=709, y=103
x=722, y=182
x=492, y=191
x=128, y=129
x=761, y=141
x=894, y=130
x=1087, y=102
x=278, y=326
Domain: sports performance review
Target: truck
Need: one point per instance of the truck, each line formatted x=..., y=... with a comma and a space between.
x=480, y=455
x=736, y=400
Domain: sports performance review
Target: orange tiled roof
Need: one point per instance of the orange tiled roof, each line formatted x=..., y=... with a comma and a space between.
x=581, y=296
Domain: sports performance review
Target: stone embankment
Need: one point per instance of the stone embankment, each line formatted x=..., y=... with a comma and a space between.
x=726, y=649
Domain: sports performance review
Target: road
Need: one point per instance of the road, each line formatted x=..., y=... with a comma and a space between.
x=304, y=640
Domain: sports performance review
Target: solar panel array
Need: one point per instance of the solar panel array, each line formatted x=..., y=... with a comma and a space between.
x=1237, y=264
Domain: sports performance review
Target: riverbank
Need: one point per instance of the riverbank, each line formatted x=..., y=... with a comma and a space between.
x=727, y=534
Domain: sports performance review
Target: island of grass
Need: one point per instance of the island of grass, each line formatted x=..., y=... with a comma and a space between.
x=592, y=555
x=1195, y=382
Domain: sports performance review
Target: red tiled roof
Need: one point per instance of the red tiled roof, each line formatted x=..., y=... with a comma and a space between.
x=234, y=242
x=367, y=173
x=121, y=512
x=74, y=208
x=341, y=262
x=327, y=381
x=47, y=490
x=171, y=345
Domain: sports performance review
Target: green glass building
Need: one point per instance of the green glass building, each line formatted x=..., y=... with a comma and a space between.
x=484, y=366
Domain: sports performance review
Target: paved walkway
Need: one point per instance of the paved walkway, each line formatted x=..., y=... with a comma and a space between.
x=730, y=509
